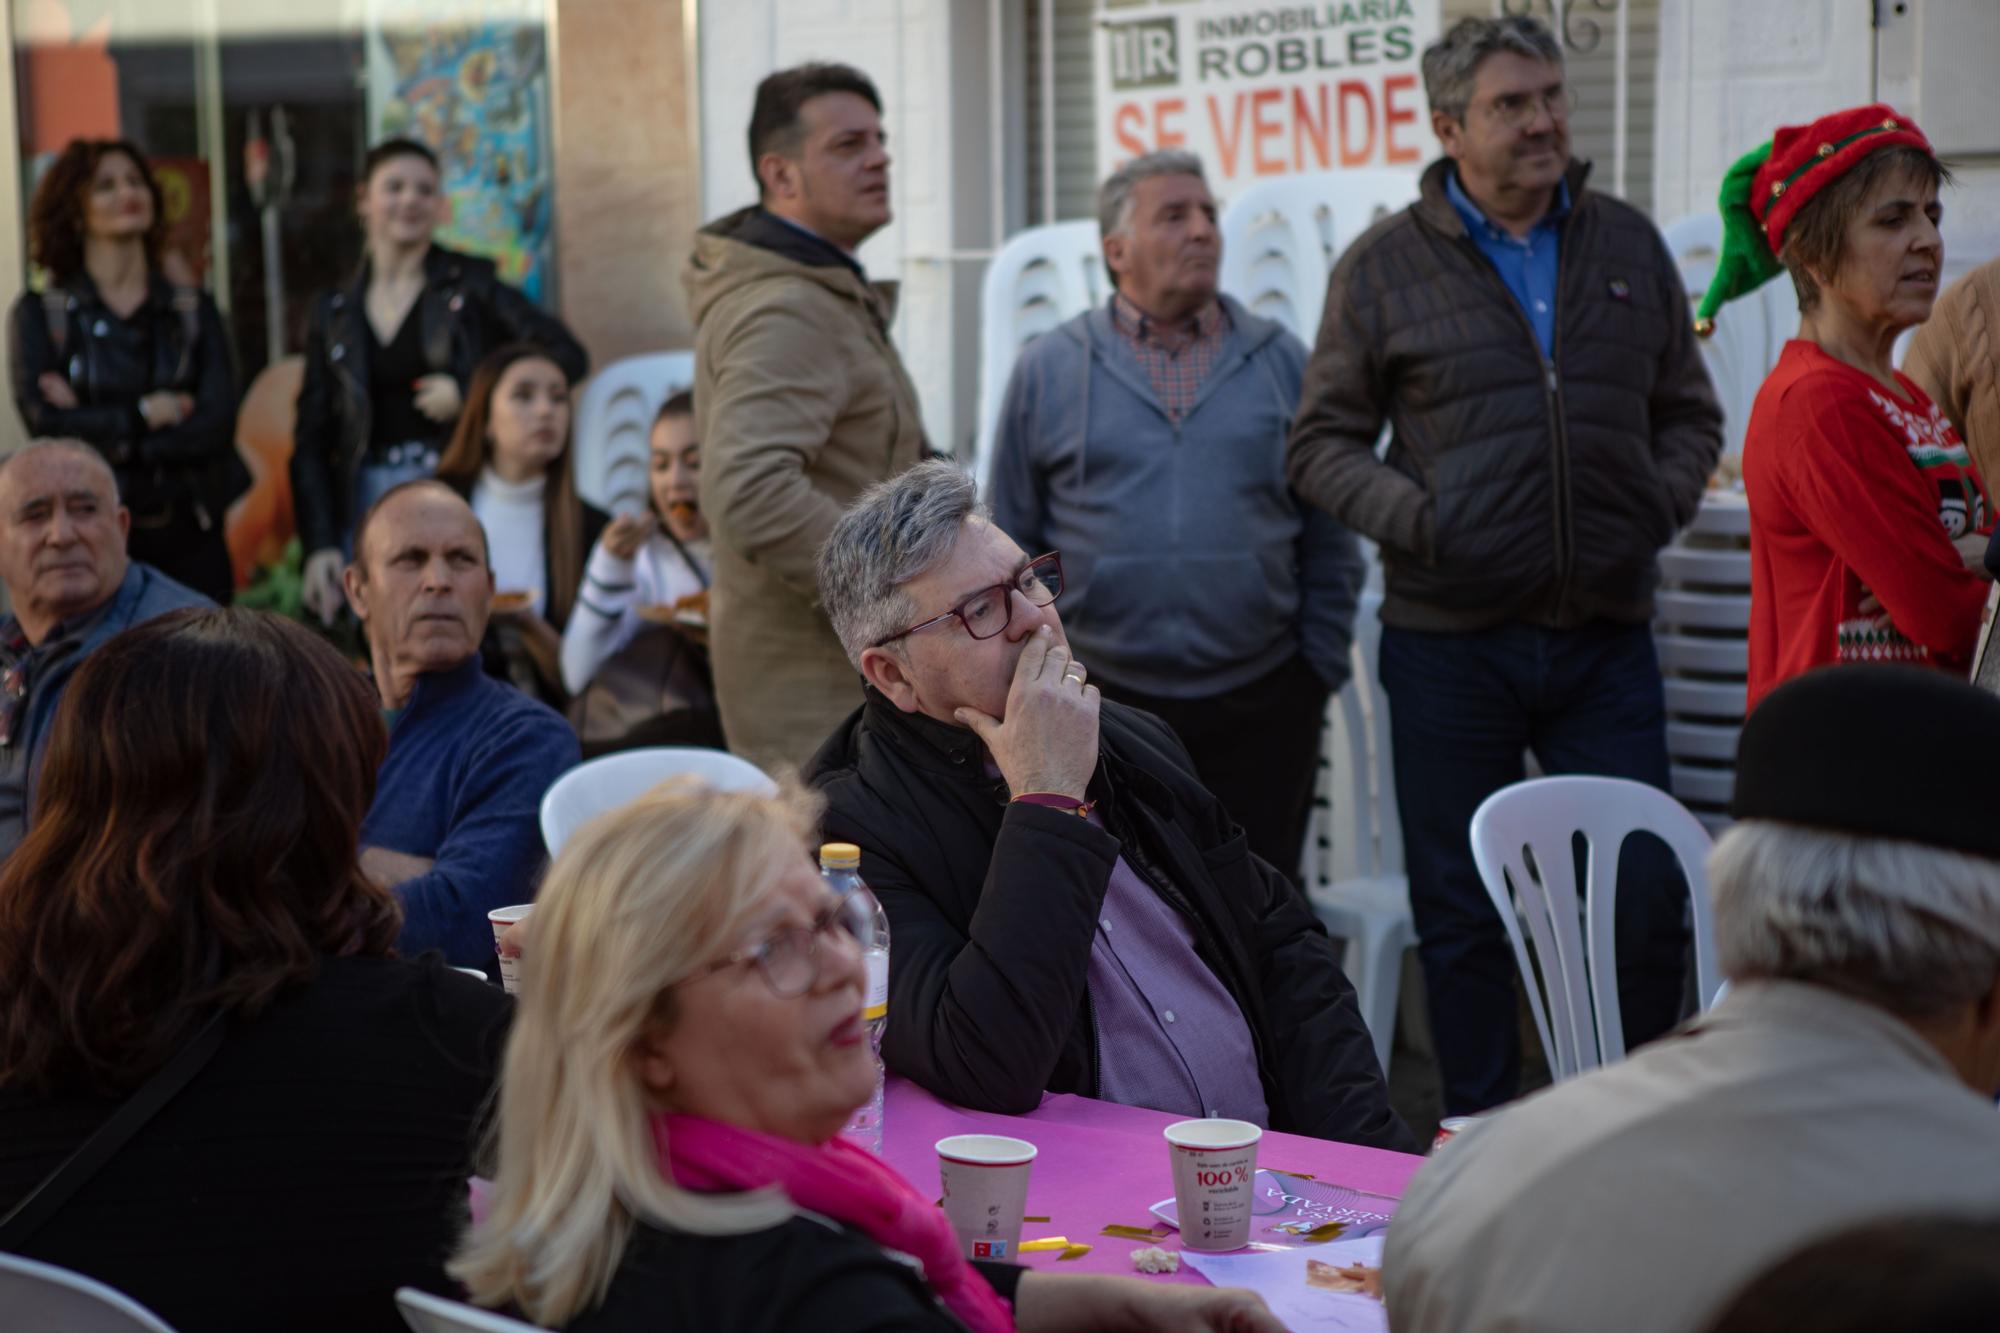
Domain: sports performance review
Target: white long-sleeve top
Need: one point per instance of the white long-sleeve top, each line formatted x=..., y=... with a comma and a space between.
x=511, y=513
x=606, y=615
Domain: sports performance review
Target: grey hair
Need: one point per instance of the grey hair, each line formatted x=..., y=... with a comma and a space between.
x=1114, y=197
x=1909, y=928
x=77, y=449
x=896, y=531
x=1451, y=63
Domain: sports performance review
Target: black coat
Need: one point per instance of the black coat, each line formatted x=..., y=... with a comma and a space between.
x=313, y=1166
x=806, y=1273
x=993, y=907
x=173, y=341
x=1519, y=485
x=464, y=312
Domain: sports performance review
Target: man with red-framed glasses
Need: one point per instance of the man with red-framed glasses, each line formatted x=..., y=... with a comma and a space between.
x=1071, y=909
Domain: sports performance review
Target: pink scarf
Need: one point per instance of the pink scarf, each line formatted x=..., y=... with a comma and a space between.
x=840, y=1181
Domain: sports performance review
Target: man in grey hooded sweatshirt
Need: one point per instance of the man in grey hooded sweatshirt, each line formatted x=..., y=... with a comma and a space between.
x=1145, y=441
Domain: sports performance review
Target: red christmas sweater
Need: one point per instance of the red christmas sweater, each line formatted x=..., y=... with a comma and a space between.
x=1852, y=489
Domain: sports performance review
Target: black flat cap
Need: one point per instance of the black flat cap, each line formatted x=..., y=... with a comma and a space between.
x=1883, y=751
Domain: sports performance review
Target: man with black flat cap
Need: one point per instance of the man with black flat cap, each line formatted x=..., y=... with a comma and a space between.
x=1849, y=1074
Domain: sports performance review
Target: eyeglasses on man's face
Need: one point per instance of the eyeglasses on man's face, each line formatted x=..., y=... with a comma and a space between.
x=990, y=610
x=789, y=958
x=1518, y=110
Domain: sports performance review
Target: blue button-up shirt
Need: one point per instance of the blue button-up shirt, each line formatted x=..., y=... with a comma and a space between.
x=1528, y=267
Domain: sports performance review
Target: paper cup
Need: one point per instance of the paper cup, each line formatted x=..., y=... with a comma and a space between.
x=501, y=918
x=985, y=1180
x=1215, y=1170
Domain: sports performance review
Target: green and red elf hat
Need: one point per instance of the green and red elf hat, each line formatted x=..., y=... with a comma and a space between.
x=1766, y=187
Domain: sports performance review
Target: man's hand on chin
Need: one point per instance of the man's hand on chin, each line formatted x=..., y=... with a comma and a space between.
x=389, y=868
x=1049, y=741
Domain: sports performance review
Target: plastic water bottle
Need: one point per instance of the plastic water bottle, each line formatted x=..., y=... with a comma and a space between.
x=840, y=866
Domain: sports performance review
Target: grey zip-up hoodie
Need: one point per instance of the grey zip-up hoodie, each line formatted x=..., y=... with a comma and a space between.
x=1190, y=567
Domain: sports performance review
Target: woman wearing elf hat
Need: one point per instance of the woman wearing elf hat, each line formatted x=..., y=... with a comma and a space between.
x=1864, y=508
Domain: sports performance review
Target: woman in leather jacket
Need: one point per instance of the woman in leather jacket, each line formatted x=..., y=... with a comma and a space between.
x=116, y=353
x=388, y=359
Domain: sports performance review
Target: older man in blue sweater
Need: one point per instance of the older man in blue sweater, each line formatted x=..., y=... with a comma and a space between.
x=454, y=827
x=1145, y=440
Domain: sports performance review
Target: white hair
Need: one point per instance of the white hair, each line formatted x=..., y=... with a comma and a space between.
x=1114, y=197
x=897, y=531
x=67, y=448
x=1909, y=928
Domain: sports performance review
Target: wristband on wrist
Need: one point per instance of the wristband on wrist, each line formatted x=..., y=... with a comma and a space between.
x=1055, y=801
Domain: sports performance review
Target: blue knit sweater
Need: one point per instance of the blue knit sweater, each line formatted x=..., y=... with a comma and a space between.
x=469, y=759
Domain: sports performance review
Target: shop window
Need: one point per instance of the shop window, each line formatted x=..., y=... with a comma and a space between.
x=256, y=115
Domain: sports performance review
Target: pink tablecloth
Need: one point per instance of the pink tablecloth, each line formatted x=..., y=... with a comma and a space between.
x=1099, y=1163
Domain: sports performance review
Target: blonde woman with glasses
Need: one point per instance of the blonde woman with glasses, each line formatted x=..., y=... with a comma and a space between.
x=689, y=1043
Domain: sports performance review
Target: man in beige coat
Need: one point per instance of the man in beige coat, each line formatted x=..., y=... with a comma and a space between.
x=801, y=401
x=1847, y=1077
x=1955, y=356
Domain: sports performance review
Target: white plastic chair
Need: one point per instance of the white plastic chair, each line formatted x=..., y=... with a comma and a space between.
x=1750, y=331
x=1701, y=628
x=1280, y=238
x=43, y=1297
x=425, y=1313
x=1579, y=1022
x=591, y=788
x=1041, y=277
x=1354, y=847
x=614, y=416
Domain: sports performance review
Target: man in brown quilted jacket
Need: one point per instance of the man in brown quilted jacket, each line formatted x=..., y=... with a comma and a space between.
x=801, y=401
x=1529, y=344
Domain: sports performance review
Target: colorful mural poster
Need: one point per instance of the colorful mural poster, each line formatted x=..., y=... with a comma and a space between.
x=470, y=79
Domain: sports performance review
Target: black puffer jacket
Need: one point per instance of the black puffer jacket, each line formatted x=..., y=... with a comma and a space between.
x=465, y=312
x=1516, y=487
x=993, y=906
x=174, y=341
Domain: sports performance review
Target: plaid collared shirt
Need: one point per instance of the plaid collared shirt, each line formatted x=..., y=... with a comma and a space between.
x=1176, y=359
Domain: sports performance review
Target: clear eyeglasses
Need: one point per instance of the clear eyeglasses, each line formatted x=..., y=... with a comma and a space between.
x=789, y=958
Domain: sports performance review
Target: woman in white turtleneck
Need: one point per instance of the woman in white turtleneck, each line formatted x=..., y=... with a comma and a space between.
x=510, y=457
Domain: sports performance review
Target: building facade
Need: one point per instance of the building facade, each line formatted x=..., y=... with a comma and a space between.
x=585, y=140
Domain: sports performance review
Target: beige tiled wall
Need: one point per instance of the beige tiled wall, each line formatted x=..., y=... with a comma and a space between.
x=626, y=179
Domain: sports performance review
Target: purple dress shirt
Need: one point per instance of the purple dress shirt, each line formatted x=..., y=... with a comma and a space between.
x=1169, y=1034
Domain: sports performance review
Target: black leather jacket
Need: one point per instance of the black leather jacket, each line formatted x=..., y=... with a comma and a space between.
x=465, y=312
x=173, y=341
x=993, y=907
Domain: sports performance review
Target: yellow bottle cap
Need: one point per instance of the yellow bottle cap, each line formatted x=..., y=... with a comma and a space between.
x=839, y=856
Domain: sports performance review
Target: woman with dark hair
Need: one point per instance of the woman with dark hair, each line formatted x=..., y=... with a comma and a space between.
x=389, y=357
x=187, y=919
x=510, y=458
x=117, y=353
x=632, y=652
x=1867, y=519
